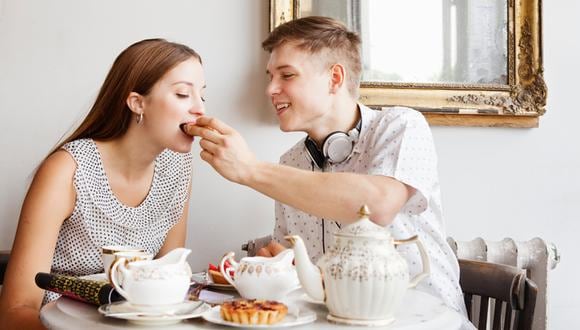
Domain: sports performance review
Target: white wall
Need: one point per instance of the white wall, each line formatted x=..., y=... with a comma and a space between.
x=496, y=182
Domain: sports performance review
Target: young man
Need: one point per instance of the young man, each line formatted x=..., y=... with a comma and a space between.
x=352, y=155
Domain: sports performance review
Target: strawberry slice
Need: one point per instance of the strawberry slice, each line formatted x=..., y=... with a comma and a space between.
x=227, y=268
x=213, y=267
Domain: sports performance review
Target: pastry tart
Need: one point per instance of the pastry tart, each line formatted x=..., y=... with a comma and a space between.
x=253, y=311
x=217, y=277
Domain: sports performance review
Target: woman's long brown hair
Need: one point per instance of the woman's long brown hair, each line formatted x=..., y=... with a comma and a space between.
x=136, y=69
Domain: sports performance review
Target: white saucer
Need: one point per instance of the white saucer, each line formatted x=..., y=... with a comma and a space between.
x=310, y=300
x=355, y=322
x=300, y=296
x=205, y=279
x=304, y=317
x=95, y=277
x=158, y=316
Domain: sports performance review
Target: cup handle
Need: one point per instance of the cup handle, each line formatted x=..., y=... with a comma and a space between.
x=230, y=258
x=424, y=259
x=113, y=277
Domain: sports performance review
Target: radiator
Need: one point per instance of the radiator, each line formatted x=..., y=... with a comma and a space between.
x=535, y=256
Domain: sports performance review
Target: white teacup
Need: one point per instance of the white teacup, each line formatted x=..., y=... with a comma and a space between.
x=129, y=256
x=108, y=254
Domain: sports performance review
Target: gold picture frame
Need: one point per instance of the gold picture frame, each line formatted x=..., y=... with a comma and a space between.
x=519, y=103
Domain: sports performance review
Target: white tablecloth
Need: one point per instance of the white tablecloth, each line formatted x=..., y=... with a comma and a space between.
x=418, y=311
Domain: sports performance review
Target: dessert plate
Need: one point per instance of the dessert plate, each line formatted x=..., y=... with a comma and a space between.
x=205, y=279
x=154, y=316
x=300, y=296
x=300, y=317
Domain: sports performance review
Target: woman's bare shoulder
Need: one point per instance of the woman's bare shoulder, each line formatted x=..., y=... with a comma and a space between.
x=60, y=162
x=57, y=170
x=52, y=193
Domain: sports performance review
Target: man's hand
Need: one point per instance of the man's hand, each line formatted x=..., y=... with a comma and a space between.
x=223, y=148
x=271, y=250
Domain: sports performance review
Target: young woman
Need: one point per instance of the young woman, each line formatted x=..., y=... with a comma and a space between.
x=122, y=178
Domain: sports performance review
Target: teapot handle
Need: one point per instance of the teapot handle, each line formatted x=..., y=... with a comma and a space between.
x=119, y=263
x=230, y=257
x=424, y=259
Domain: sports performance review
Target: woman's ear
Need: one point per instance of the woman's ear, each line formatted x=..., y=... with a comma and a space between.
x=337, y=76
x=135, y=102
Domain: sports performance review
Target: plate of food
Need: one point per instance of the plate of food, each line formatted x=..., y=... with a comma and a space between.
x=213, y=278
x=244, y=313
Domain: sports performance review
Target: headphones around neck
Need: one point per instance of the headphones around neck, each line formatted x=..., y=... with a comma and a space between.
x=336, y=148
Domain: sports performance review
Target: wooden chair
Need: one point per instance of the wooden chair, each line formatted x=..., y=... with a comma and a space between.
x=507, y=296
x=4, y=256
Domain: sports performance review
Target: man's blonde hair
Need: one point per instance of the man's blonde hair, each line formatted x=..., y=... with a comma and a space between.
x=326, y=37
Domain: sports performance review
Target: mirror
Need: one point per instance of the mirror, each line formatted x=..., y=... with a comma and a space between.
x=440, y=41
x=462, y=63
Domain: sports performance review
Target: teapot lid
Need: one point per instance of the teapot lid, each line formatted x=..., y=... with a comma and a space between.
x=364, y=227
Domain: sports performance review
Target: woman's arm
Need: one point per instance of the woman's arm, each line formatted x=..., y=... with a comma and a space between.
x=49, y=201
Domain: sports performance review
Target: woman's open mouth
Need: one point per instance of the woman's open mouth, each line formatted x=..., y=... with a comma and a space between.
x=182, y=127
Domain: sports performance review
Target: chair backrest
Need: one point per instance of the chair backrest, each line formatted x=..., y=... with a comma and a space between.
x=4, y=256
x=507, y=298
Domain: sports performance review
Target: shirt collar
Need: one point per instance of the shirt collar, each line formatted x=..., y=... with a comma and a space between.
x=365, y=118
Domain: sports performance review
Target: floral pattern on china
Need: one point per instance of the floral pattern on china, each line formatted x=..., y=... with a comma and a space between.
x=160, y=273
x=362, y=277
x=266, y=268
x=262, y=278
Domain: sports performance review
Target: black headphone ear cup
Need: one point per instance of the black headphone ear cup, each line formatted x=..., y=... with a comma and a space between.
x=314, y=153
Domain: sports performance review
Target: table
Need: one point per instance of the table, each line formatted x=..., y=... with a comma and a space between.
x=419, y=311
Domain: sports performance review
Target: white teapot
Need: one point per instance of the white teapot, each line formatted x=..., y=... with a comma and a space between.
x=362, y=278
x=157, y=282
x=261, y=277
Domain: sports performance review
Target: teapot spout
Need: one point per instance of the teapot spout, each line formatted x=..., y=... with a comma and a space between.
x=309, y=274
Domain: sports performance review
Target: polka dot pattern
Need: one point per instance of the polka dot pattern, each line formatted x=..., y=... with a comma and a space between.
x=100, y=219
x=396, y=143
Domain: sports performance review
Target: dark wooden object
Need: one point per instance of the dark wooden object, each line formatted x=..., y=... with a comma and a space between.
x=4, y=256
x=514, y=295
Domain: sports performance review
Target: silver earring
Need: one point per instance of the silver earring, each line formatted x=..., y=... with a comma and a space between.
x=140, y=118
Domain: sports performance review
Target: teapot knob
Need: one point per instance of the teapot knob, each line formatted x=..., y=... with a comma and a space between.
x=364, y=211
